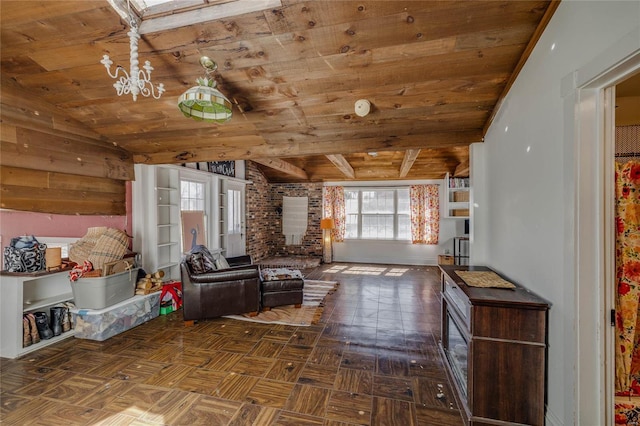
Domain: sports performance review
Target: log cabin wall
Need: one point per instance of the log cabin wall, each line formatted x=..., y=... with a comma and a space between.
x=53, y=164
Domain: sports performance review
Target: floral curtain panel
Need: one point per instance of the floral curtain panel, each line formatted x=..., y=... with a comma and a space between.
x=333, y=207
x=425, y=213
x=628, y=278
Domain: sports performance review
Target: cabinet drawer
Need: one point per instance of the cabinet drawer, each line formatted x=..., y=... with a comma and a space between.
x=510, y=323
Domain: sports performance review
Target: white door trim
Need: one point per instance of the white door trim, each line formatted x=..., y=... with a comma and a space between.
x=585, y=217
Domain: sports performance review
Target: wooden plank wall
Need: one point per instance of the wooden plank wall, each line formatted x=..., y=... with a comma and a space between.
x=50, y=163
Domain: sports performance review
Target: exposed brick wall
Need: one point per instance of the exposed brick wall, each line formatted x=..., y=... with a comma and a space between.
x=259, y=213
x=312, y=241
x=264, y=222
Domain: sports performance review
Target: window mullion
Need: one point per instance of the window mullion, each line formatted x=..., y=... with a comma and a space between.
x=395, y=214
x=359, y=214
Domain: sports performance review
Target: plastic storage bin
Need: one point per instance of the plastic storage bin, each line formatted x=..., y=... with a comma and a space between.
x=100, y=292
x=101, y=324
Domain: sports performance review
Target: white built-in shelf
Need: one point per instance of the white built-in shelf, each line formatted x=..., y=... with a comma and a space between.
x=29, y=305
x=23, y=293
x=169, y=244
x=456, y=197
x=44, y=343
x=168, y=265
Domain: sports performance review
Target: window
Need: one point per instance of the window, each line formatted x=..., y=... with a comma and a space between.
x=377, y=214
x=191, y=195
x=235, y=211
x=150, y=8
x=178, y=11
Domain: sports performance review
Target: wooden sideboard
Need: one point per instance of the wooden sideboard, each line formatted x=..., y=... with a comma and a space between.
x=494, y=343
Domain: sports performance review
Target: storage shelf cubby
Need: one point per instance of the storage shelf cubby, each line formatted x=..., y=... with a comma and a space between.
x=25, y=293
x=34, y=305
x=456, y=197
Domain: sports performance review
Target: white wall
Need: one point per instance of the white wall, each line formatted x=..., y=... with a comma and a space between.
x=479, y=206
x=399, y=252
x=529, y=172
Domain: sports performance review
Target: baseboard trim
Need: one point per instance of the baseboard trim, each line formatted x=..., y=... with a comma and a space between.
x=389, y=261
x=551, y=419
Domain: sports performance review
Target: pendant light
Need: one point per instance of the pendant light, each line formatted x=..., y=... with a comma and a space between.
x=204, y=102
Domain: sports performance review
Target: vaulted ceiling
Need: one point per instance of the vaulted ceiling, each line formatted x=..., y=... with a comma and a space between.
x=433, y=72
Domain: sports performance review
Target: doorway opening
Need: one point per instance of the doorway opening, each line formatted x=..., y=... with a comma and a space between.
x=624, y=256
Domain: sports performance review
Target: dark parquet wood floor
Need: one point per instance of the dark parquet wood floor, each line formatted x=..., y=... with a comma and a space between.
x=372, y=360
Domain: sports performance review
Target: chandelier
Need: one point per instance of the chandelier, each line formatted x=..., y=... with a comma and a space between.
x=204, y=102
x=136, y=81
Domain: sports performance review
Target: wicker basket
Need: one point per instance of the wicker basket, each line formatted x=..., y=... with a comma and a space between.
x=461, y=196
x=460, y=212
x=80, y=250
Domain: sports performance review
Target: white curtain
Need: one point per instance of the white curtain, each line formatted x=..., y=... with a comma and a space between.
x=294, y=219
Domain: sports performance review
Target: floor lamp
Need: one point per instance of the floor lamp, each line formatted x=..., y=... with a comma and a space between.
x=327, y=225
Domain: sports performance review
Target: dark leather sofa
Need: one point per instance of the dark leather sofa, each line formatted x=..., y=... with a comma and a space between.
x=229, y=291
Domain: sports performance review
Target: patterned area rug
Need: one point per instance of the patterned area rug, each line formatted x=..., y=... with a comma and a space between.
x=309, y=313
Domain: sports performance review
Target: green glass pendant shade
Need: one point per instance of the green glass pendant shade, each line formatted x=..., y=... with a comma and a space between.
x=205, y=103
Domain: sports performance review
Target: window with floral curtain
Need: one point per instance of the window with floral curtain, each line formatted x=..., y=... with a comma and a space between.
x=333, y=207
x=425, y=213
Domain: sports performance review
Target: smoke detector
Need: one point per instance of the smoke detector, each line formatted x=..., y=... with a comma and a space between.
x=363, y=107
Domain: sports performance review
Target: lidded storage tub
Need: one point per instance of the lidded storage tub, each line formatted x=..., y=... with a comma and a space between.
x=100, y=292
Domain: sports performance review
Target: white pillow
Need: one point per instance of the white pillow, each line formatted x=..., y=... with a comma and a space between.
x=221, y=263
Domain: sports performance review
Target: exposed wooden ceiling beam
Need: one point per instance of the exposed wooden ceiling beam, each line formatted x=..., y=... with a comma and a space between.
x=256, y=147
x=283, y=166
x=342, y=164
x=410, y=156
x=462, y=169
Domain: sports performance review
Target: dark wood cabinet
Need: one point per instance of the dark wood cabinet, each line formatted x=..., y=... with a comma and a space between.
x=494, y=342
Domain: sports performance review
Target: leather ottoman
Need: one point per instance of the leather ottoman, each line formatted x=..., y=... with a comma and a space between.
x=281, y=287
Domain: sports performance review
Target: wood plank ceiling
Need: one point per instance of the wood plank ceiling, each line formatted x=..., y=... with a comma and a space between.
x=432, y=70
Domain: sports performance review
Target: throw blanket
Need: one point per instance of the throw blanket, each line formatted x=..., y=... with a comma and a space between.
x=274, y=274
x=294, y=219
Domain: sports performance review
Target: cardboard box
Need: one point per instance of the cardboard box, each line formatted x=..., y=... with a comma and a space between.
x=100, y=292
x=101, y=324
